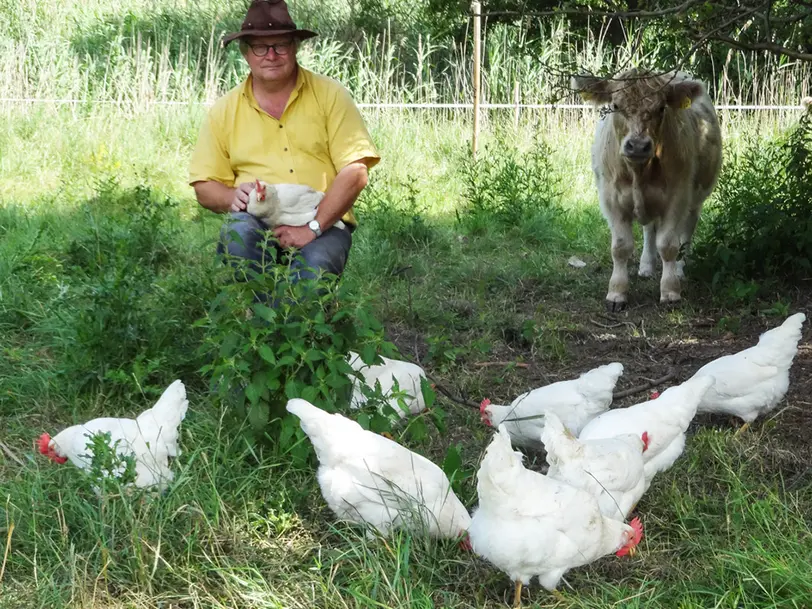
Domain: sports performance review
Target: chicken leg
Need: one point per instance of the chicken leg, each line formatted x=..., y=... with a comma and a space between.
x=742, y=429
x=517, y=595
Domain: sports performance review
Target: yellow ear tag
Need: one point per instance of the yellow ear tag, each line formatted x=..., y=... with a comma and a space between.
x=686, y=103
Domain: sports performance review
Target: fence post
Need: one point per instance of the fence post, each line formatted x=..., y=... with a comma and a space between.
x=516, y=100
x=476, y=9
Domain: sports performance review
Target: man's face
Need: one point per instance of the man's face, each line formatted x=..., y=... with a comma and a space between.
x=271, y=58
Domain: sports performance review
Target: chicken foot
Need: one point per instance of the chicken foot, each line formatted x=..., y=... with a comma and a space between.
x=517, y=595
x=742, y=429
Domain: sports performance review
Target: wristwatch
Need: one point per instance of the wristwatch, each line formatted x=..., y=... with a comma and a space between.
x=315, y=227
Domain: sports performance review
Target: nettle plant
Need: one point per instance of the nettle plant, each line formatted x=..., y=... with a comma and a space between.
x=269, y=340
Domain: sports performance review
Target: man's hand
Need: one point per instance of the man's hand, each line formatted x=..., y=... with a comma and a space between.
x=294, y=236
x=240, y=200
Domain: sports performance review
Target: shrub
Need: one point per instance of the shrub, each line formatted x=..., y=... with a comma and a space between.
x=507, y=188
x=759, y=223
x=269, y=340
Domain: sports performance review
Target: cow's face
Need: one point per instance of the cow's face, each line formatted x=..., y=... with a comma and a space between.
x=638, y=103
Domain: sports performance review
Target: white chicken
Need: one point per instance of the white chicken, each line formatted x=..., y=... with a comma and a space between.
x=611, y=469
x=151, y=438
x=575, y=402
x=366, y=478
x=406, y=374
x=664, y=420
x=753, y=381
x=285, y=204
x=528, y=524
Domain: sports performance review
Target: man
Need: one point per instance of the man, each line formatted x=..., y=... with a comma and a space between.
x=283, y=124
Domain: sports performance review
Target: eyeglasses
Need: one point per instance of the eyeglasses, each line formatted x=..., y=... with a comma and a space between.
x=280, y=48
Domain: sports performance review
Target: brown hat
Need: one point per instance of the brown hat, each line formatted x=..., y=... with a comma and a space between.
x=268, y=18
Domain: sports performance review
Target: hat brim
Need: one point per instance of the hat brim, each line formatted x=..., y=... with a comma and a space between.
x=300, y=34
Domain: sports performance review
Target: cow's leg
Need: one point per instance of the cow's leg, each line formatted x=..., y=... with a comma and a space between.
x=668, y=247
x=686, y=235
x=649, y=256
x=622, y=249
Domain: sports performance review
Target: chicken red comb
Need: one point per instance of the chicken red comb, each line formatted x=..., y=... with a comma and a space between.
x=465, y=543
x=644, y=437
x=484, y=415
x=636, y=537
x=654, y=395
x=637, y=527
x=43, y=444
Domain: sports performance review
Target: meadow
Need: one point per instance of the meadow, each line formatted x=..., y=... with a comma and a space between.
x=109, y=287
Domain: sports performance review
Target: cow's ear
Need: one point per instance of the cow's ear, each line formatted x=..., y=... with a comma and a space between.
x=592, y=89
x=681, y=94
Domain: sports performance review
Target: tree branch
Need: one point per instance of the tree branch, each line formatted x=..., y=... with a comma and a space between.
x=587, y=11
x=772, y=47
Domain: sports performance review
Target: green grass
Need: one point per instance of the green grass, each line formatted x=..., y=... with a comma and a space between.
x=106, y=263
x=97, y=304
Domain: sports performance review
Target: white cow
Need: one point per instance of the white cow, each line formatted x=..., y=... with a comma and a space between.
x=656, y=157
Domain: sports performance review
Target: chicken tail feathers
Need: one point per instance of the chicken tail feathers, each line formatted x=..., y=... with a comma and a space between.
x=781, y=344
x=599, y=383
x=558, y=441
x=494, y=471
x=171, y=407
x=685, y=399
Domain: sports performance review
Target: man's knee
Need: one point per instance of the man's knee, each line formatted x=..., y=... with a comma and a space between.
x=329, y=252
x=240, y=235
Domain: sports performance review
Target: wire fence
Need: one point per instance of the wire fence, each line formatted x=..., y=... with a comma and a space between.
x=404, y=106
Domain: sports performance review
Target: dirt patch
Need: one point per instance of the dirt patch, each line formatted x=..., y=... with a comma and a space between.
x=649, y=340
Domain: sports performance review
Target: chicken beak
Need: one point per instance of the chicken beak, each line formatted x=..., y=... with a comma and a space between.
x=632, y=551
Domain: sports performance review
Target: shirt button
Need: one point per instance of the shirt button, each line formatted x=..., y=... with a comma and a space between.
x=291, y=171
x=286, y=149
x=280, y=126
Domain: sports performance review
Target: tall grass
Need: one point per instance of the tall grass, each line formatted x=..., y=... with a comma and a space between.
x=170, y=52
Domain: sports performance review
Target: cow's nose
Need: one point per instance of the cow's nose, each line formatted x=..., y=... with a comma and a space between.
x=638, y=147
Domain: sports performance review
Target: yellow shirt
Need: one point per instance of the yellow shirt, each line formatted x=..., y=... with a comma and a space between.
x=320, y=132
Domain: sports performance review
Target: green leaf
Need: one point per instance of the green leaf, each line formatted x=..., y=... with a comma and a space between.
x=369, y=354
x=453, y=461
x=228, y=345
x=265, y=312
x=418, y=430
x=428, y=393
x=287, y=360
x=313, y=355
x=253, y=392
x=363, y=420
x=266, y=353
x=379, y=423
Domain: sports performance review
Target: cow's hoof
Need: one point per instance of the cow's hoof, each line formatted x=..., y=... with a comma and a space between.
x=615, y=306
x=645, y=271
x=670, y=298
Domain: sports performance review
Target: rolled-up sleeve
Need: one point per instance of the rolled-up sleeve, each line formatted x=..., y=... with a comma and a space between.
x=349, y=140
x=210, y=159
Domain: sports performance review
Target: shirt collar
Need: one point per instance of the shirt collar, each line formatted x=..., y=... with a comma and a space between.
x=248, y=90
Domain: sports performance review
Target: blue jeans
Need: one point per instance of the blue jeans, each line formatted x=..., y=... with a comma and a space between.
x=327, y=253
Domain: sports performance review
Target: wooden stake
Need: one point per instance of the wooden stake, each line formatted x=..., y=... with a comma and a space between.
x=476, y=9
x=516, y=100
